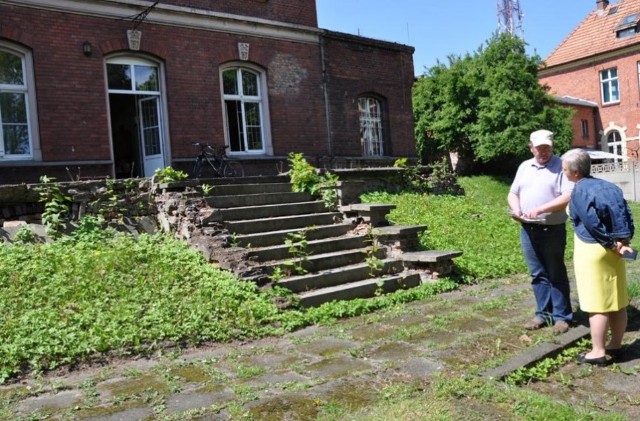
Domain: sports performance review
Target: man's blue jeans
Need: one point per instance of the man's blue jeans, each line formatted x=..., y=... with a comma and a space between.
x=543, y=248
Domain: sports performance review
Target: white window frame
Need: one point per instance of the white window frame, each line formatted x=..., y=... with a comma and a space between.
x=616, y=144
x=261, y=99
x=28, y=90
x=371, y=126
x=609, y=86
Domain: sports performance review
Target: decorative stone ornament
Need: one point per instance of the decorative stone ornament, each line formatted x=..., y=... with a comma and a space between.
x=133, y=37
x=243, y=51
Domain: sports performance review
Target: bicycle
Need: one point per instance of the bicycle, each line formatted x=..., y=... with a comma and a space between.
x=216, y=157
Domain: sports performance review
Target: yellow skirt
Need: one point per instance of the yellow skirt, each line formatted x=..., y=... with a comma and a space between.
x=601, y=278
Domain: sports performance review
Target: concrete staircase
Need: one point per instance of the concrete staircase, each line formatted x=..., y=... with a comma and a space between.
x=292, y=240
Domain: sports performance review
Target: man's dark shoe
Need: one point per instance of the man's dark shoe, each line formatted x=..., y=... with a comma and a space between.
x=600, y=361
x=560, y=327
x=535, y=323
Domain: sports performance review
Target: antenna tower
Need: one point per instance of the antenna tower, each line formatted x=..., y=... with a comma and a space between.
x=510, y=17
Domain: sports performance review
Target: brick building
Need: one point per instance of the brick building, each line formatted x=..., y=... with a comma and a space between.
x=596, y=71
x=118, y=88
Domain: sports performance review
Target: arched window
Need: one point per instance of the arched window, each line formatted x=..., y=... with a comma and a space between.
x=614, y=143
x=18, y=134
x=371, y=139
x=244, y=108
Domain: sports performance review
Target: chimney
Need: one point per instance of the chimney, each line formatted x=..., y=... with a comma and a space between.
x=602, y=4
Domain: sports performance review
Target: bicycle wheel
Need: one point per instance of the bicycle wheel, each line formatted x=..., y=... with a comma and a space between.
x=233, y=169
x=197, y=167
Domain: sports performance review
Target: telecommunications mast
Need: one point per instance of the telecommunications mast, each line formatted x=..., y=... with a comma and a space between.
x=510, y=17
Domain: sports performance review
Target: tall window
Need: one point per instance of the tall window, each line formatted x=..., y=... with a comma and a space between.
x=585, y=128
x=243, y=104
x=614, y=143
x=15, y=105
x=371, y=126
x=609, y=86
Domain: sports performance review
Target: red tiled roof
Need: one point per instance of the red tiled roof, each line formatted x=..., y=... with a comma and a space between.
x=596, y=34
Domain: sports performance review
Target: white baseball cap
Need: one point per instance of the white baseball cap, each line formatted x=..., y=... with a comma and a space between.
x=541, y=137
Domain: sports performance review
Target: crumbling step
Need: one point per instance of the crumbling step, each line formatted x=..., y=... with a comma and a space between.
x=319, y=262
x=266, y=211
x=361, y=289
x=341, y=275
x=233, y=201
x=244, y=189
x=272, y=238
x=281, y=223
x=312, y=247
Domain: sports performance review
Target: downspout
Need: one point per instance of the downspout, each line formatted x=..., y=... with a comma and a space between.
x=326, y=98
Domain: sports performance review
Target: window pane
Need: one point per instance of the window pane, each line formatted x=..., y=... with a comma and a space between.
x=615, y=95
x=10, y=69
x=146, y=78
x=234, y=120
x=151, y=129
x=254, y=131
x=230, y=82
x=119, y=76
x=16, y=139
x=14, y=123
x=370, y=126
x=249, y=84
x=606, y=96
x=13, y=108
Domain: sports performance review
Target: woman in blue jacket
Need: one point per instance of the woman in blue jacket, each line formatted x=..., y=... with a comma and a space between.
x=603, y=229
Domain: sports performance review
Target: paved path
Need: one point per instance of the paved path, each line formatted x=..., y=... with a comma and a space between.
x=475, y=330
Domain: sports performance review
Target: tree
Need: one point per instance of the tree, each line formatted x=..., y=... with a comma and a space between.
x=484, y=106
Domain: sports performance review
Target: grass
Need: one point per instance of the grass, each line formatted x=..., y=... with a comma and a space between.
x=66, y=302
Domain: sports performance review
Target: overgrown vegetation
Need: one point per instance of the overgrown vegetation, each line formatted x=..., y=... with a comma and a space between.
x=56, y=206
x=306, y=178
x=168, y=174
x=97, y=291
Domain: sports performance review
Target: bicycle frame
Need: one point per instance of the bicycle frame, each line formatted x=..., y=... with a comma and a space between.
x=216, y=157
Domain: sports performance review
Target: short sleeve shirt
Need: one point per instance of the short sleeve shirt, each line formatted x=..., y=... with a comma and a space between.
x=537, y=184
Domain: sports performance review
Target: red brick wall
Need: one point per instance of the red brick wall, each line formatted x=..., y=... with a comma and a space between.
x=355, y=68
x=73, y=105
x=584, y=83
x=301, y=12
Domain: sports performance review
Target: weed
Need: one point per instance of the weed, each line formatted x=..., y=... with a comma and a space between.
x=25, y=235
x=298, y=249
x=375, y=264
x=306, y=178
x=168, y=174
x=206, y=188
x=56, y=206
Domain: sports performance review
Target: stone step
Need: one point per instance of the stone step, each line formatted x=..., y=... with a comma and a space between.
x=325, y=245
x=272, y=238
x=233, y=201
x=265, y=211
x=336, y=276
x=243, y=189
x=281, y=223
x=360, y=289
x=318, y=262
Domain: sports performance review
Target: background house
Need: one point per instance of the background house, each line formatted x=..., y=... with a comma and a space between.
x=596, y=70
x=119, y=88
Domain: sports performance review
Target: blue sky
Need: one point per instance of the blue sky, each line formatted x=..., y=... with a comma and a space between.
x=441, y=28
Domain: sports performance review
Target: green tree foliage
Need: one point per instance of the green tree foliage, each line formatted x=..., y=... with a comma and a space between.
x=484, y=106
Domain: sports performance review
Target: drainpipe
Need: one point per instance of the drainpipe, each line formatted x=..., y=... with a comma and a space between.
x=326, y=97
